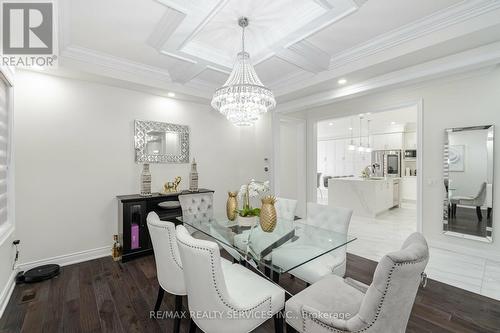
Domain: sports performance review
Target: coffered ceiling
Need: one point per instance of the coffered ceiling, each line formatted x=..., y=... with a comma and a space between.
x=297, y=46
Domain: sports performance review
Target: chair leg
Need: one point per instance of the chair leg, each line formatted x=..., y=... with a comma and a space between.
x=290, y=329
x=192, y=326
x=159, y=299
x=178, y=313
x=276, y=277
x=479, y=214
x=278, y=322
x=267, y=271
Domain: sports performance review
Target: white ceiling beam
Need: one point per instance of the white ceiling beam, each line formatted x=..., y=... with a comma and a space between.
x=166, y=27
x=306, y=56
x=324, y=3
x=184, y=74
x=437, y=21
x=458, y=63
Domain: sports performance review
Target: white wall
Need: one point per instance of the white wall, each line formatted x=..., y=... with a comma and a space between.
x=75, y=154
x=465, y=100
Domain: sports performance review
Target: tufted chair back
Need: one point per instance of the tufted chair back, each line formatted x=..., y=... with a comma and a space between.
x=197, y=207
x=388, y=301
x=327, y=217
x=206, y=286
x=285, y=208
x=167, y=257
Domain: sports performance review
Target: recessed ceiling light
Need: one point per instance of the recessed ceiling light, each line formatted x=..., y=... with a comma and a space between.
x=350, y=128
x=342, y=81
x=171, y=94
x=330, y=124
x=393, y=123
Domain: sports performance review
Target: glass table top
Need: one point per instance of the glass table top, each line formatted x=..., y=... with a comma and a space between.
x=290, y=245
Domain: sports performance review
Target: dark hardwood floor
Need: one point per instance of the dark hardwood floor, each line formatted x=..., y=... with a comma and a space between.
x=104, y=296
x=466, y=222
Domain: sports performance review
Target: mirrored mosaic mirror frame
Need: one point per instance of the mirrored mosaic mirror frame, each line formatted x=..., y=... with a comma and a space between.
x=142, y=127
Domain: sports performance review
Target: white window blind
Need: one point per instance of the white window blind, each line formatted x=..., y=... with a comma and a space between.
x=4, y=146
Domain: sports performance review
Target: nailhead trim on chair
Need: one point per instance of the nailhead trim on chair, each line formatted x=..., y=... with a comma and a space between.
x=172, y=254
x=221, y=298
x=379, y=308
x=172, y=249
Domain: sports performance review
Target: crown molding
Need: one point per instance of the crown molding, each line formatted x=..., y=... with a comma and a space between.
x=103, y=64
x=458, y=63
x=283, y=81
x=115, y=63
x=305, y=55
x=461, y=12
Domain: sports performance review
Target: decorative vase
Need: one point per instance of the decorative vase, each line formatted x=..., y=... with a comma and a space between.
x=231, y=206
x=268, y=216
x=193, y=177
x=248, y=221
x=145, y=181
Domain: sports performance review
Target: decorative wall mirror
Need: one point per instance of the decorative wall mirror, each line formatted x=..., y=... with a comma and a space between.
x=468, y=182
x=157, y=142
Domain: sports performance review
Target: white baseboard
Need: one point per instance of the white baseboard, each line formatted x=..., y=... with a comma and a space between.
x=7, y=292
x=68, y=259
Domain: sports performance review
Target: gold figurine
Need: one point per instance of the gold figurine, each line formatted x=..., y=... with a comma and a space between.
x=171, y=187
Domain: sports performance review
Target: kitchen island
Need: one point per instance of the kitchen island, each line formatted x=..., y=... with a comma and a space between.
x=365, y=196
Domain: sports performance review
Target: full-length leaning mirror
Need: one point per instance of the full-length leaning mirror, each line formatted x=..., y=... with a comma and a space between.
x=157, y=142
x=468, y=182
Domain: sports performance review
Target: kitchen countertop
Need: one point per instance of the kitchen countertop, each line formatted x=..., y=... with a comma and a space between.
x=373, y=179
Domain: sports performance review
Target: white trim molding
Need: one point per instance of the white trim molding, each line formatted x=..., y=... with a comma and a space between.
x=68, y=259
x=458, y=13
x=480, y=57
x=7, y=292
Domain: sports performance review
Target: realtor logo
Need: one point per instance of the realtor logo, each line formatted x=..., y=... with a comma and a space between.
x=28, y=34
x=27, y=28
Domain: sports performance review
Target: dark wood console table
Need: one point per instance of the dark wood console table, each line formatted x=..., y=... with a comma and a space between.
x=132, y=212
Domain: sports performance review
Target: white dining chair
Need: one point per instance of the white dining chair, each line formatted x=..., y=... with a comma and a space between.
x=334, y=219
x=334, y=304
x=232, y=292
x=168, y=263
x=199, y=207
x=169, y=268
x=285, y=209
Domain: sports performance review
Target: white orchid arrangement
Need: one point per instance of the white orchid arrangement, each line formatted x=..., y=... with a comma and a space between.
x=251, y=190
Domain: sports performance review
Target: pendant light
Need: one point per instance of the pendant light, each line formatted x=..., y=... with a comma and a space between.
x=360, y=146
x=351, y=143
x=243, y=98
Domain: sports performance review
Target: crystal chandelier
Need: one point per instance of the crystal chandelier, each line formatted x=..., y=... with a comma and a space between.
x=243, y=98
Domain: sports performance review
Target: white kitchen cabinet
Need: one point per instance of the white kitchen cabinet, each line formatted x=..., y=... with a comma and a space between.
x=408, y=189
x=389, y=141
x=410, y=140
x=396, y=198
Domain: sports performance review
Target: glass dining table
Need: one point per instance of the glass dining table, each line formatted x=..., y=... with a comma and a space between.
x=291, y=244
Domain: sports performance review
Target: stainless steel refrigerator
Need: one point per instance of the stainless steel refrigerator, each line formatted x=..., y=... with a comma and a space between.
x=386, y=163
